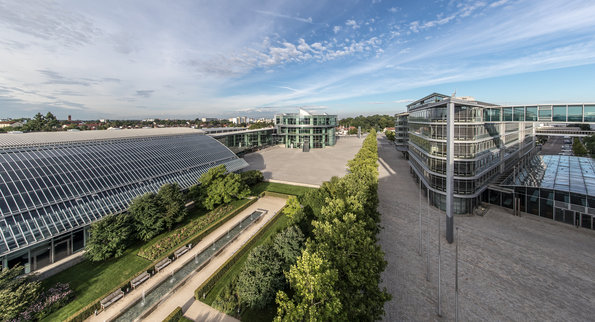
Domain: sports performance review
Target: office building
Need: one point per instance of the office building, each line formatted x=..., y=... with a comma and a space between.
x=492, y=145
x=305, y=130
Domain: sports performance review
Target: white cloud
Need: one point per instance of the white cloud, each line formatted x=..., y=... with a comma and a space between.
x=393, y=9
x=352, y=23
x=336, y=29
x=498, y=3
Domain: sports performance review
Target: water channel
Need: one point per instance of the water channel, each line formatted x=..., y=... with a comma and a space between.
x=154, y=295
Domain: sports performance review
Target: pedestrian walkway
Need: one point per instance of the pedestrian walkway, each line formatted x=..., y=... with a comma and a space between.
x=183, y=295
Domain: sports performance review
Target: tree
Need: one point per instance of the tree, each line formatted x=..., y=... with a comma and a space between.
x=251, y=177
x=173, y=202
x=147, y=213
x=351, y=248
x=109, y=237
x=578, y=148
x=390, y=135
x=261, y=277
x=219, y=187
x=315, y=298
x=288, y=245
x=50, y=122
x=17, y=293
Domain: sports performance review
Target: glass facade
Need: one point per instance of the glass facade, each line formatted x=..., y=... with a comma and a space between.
x=52, y=191
x=241, y=142
x=561, y=188
x=305, y=129
x=487, y=138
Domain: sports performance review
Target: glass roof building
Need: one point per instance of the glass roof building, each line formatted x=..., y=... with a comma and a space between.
x=53, y=185
x=556, y=187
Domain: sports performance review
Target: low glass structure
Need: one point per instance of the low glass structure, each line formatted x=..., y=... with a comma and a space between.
x=306, y=130
x=54, y=185
x=560, y=188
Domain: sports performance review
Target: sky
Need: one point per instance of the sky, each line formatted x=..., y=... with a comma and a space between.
x=220, y=58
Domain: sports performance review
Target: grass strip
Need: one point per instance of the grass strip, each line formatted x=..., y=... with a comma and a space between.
x=91, y=281
x=283, y=188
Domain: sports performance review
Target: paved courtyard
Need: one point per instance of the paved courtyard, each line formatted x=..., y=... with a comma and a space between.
x=313, y=168
x=510, y=268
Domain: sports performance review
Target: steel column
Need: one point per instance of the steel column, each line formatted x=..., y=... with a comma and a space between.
x=450, y=167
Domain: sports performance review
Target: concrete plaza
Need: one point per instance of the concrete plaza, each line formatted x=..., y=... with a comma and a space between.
x=312, y=168
x=510, y=268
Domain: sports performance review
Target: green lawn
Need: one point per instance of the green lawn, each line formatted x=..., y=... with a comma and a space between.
x=91, y=280
x=280, y=188
x=265, y=315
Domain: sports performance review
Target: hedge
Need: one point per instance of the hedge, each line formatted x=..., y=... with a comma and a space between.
x=208, y=284
x=175, y=315
x=89, y=310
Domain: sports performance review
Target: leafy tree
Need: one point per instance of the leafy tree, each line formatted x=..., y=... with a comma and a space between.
x=219, y=187
x=16, y=293
x=109, y=237
x=288, y=245
x=251, y=177
x=50, y=122
x=351, y=248
x=315, y=298
x=261, y=277
x=147, y=212
x=578, y=148
x=173, y=202
x=390, y=135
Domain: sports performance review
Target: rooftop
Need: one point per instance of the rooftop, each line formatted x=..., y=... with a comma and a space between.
x=42, y=138
x=557, y=172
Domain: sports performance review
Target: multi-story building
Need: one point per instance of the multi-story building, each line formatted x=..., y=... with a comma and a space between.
x=54, y=185
x=488, y=141
x=402, y=133
x=306, y=130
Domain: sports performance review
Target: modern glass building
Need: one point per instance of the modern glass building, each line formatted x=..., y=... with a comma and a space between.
x=306, y=130
x=245, y=141
x=486, y=145
x=402, y=133
x=556, y=187
x=54, y=185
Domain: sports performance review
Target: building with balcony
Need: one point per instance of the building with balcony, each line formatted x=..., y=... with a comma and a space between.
x=305, y=130
x=54, y=185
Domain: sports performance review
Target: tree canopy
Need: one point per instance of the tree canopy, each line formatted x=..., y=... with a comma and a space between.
x=147, y=212
x=17, y=293
x=218, y=187
x=109, y=237
x=377, y=122
x=173, y=202
x=342, y=247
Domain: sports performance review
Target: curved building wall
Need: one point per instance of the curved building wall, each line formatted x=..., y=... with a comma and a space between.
x=47, y=190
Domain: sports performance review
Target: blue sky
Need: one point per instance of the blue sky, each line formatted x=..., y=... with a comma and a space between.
x=187, y=59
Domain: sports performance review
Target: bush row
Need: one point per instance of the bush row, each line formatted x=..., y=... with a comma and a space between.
x=175, y=315
x=156, y=249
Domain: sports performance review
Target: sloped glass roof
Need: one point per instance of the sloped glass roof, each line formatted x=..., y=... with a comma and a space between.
x=557, y=172
x=49, y=189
